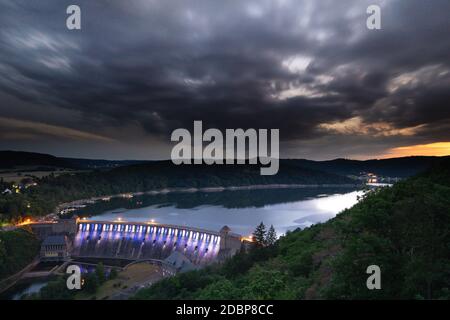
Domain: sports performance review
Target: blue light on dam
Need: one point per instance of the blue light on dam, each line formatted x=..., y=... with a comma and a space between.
x=137, y=241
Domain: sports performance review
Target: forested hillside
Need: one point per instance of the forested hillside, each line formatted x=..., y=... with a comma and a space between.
x=52, y=190
x=18, y=248
x=405, y=230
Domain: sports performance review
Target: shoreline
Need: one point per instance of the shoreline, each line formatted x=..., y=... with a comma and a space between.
x=82, y=202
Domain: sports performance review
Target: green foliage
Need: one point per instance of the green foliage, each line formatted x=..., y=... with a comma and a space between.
x=259, y=235
x=55, y=290
x=404, y=229
x=113, y=274
x=91, y=283
x=18, y=248
x=53, y=190
x=271, y=236
x=222, y=289
x=100, y=273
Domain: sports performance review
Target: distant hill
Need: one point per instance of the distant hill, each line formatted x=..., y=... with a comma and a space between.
x=52, y=190
x=394, y=167
x=99, y=163
x=165, y=174
x=11, y=159
x=14, y=159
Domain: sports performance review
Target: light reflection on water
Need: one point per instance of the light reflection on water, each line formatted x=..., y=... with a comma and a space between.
x=284, y=216
x=33, y=287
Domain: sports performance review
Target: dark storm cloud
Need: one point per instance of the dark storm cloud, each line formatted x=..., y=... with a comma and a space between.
x=304, y=67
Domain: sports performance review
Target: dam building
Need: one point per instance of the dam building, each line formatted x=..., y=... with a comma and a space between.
x=137, y=241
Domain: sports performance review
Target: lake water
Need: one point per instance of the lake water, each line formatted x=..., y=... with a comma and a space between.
x=285, y=209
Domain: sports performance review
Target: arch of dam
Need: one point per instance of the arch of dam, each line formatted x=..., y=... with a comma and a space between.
x=142, y=241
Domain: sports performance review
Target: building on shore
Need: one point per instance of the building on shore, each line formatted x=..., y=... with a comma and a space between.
x=55, y=248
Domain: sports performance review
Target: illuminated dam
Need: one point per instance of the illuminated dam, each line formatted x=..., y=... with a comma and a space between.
x=142, y=241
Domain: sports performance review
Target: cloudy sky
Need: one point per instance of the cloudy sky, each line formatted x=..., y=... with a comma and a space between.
x=138, y=69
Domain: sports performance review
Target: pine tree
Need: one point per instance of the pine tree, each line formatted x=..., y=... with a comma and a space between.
x=100, y=273
x=271, y=236
x=259, y=235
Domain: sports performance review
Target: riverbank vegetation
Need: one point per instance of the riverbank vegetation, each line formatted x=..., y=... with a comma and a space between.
x=18, y=248
x=57, y=288
x=102, y=283
x=404, y=229
x=41, y=199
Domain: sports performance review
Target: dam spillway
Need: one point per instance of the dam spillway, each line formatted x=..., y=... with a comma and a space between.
x=140, y=241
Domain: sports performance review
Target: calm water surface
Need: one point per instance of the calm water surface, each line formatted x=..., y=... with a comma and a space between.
x=286, y=209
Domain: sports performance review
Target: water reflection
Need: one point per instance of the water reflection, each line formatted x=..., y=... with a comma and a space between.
x=286, y=209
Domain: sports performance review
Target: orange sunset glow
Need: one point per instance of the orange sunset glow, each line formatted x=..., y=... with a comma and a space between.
x=431, y=149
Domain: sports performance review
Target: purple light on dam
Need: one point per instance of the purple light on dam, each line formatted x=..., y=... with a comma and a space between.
x=136, y=242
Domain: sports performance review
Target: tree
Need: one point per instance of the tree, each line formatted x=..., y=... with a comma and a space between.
x=219, y=290
x=54, y=290
x=271, y=236
x=100, y=273
x=113, y=274
x=259, y=235
x=91, y=283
